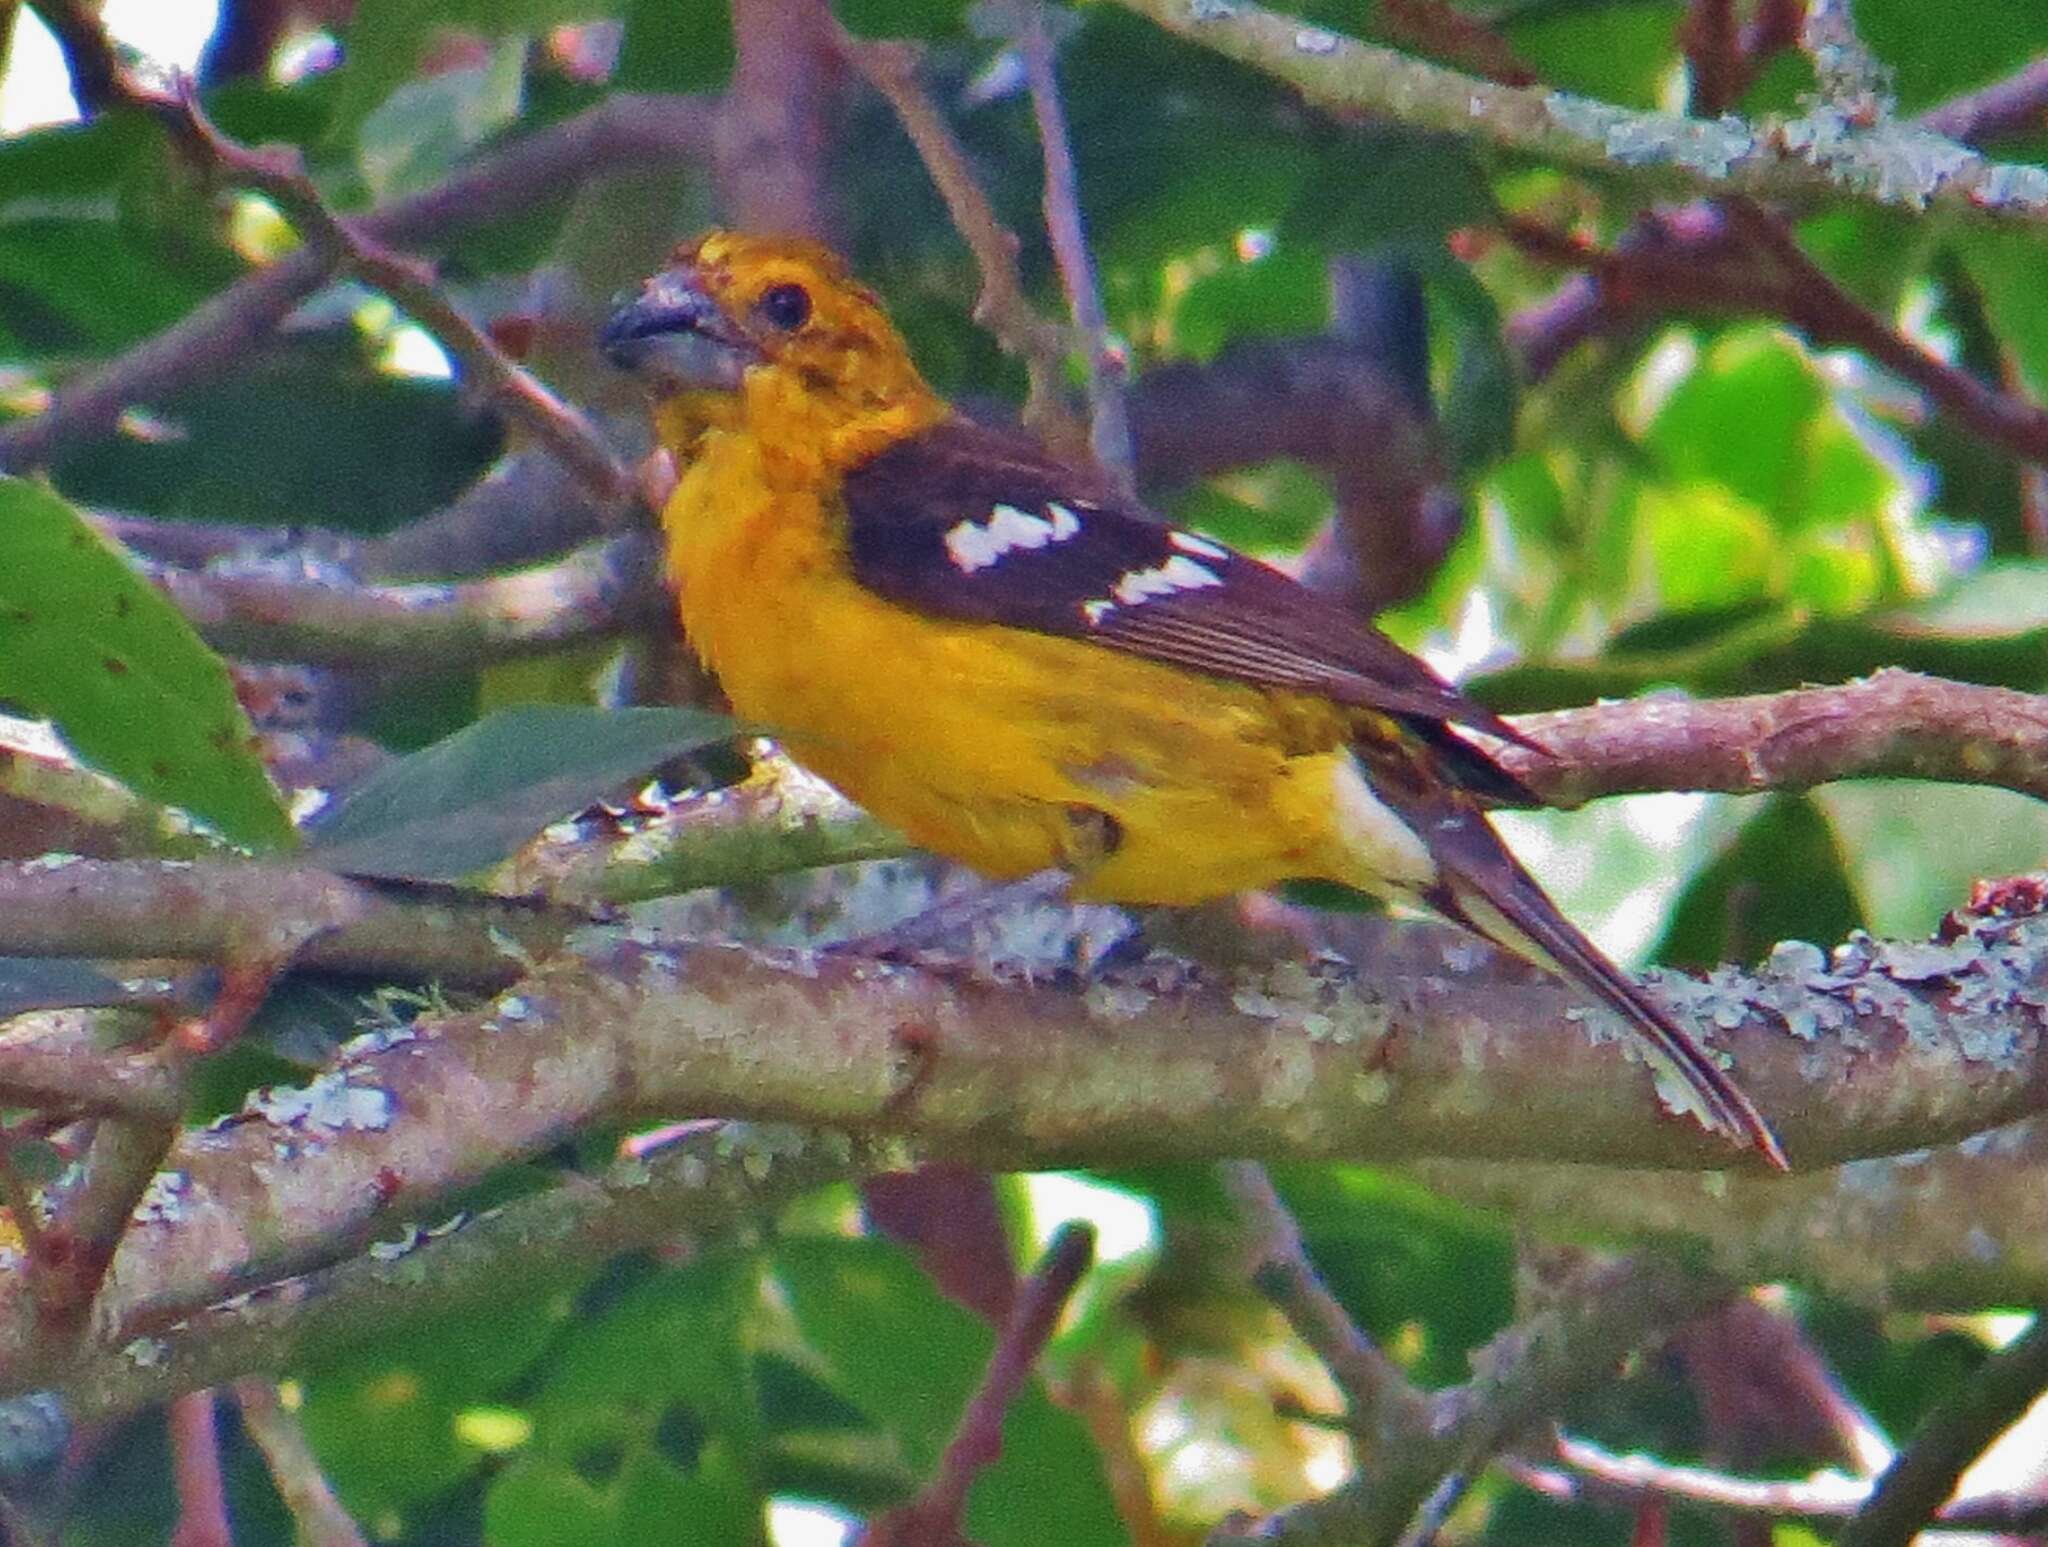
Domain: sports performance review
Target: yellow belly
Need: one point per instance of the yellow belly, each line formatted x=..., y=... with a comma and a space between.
x=997, y=747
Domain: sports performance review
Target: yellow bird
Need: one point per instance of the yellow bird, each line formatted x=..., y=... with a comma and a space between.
x=995, y=652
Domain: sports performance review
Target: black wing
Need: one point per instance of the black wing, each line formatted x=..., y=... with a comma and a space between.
x=977, y=524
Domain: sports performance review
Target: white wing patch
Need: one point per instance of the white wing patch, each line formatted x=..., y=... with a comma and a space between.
x=974, y=545
x=1188, y=542
x=1177, y=574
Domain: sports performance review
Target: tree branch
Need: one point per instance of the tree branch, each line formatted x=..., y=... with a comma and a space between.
x=1533, y=1369
x=270, y=610
x=1892, y=724
x=1923, y=1478
x=1823, y=159
x=1595, y=1473
x=934, y=1518
x=622, y=133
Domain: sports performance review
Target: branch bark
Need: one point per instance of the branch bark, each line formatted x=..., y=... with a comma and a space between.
x=1822, y=159
x=622, y=133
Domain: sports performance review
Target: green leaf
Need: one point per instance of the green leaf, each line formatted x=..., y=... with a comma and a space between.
x=1402, y=1260
x=1282, y=293
x=414, y=137
x=1711, y=549
x=1781, y=879
x=909, y=1359
x=470, y=800
x=1049, y=1469
x=670, y=47
x=1390, y=185
x=1618, y=53
x=387, y=39
x=1913, y=849
x=382, y=1417
x=896, y=1348
x=540, y=1502
x=91, y=645
x=1735, y=418
x=903, y=18
x=677, y=1336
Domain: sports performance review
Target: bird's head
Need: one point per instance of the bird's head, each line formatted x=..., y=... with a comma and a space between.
x=769, y=334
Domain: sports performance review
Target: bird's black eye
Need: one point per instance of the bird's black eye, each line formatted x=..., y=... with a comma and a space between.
x=786, y=307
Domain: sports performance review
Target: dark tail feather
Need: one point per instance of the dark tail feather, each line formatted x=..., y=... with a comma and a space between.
x=1483, y=887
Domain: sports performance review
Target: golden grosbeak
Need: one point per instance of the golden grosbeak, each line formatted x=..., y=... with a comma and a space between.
x=1021, y=669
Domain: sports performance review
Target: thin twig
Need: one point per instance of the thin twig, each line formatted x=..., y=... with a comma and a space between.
x=1109, y=420
x=1850, y=76
x=1602, y=1476
x=315, y=1511
x=195, y=1465
x=935, y=1516
x=1712, y=41
x=279, y=172
x=1923, y=1478
x=1440, y=28
x=2016, y=105
x=1380, y=1399
x=1003, y=308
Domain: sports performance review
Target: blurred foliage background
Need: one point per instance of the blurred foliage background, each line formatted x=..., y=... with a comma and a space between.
x=1709, y=506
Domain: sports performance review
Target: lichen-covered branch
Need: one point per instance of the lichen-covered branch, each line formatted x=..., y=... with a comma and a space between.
x=1824, y=158
x=1570, y=1346
x=1895, y=1048
x=702, y=1191
x=208, y=910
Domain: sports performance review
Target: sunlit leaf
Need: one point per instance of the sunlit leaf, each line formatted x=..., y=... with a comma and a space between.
x=87, y=642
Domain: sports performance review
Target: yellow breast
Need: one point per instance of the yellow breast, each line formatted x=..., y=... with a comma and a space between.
x=997, y=746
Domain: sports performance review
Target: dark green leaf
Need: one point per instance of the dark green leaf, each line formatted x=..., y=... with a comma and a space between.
x=88, y=643
x=900, y=1351
x=1781, y=879
x=472, y=799
x=910, y=1358
x=31, y=983
x=670, y=47
x=387, y=39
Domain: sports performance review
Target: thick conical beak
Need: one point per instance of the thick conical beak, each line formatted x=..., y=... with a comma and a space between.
x=675, y=336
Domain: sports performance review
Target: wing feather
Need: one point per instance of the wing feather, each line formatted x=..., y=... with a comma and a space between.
x=982, y=525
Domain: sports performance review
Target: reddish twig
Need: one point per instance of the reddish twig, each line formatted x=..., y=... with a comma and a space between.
x=1109, y=418
x=279, y=172
x=1735, y=257
x=2016, y=105
x=933, y=1519
x=1003, y=308
x=195, y=1467
x=1438, y=28
x=1712, y=42
x=315, y=1511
